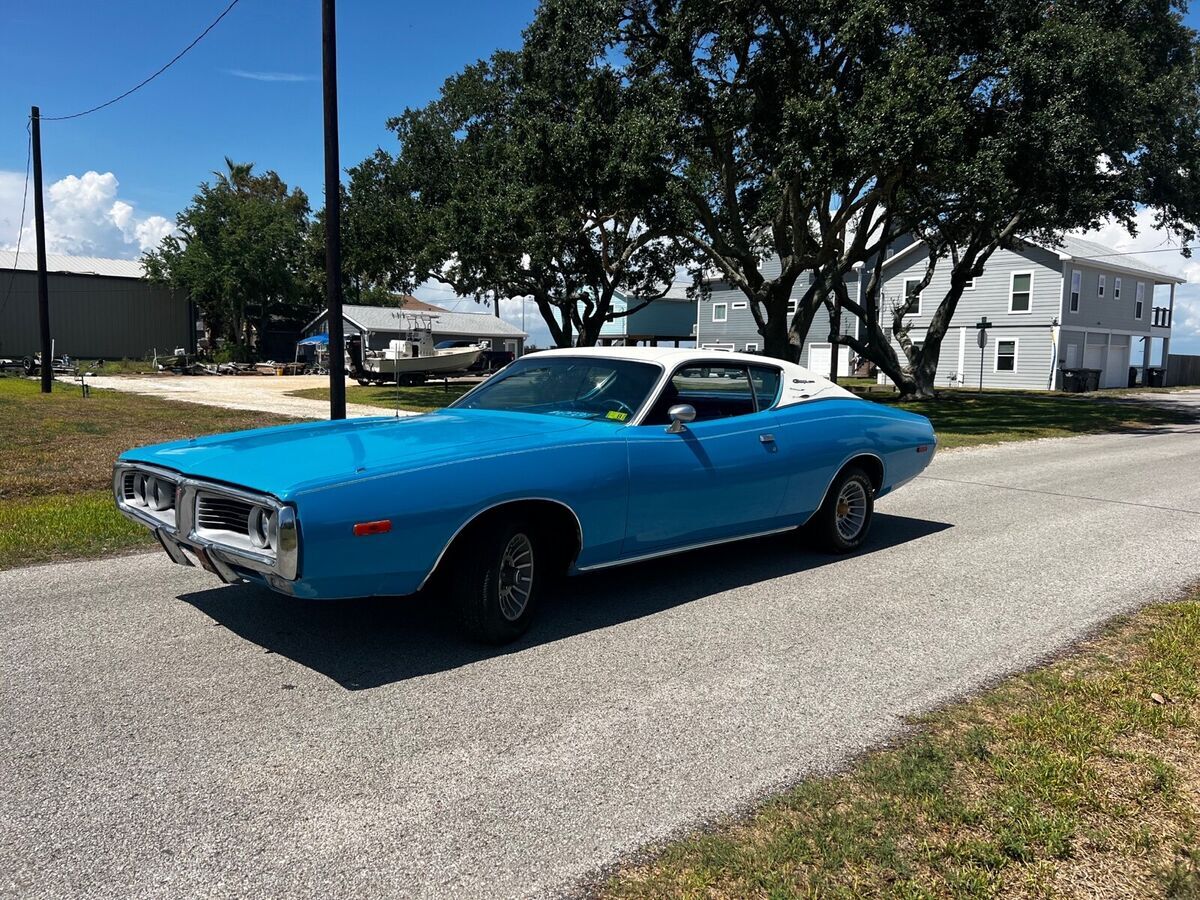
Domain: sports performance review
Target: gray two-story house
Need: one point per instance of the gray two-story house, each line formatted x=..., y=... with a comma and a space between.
x=1074, y=306
x=724, y=322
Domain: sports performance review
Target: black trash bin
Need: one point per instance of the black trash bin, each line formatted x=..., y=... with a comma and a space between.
x=1133, y=376
x=1156, y=377
x=1093, y=379
x=1072, y=382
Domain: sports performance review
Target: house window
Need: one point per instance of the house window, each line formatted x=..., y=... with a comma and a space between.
x=1020, y=294
x=1100, y=282
x=752, y=348
x=969, y=284
x=793, y=305
x=720, y=312
x=912, y=288
x=1076, y=284
x=739, y=306
x=1006, y=356
x=1139, y=300
x=1116, y=288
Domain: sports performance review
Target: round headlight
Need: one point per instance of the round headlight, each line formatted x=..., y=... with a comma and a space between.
x=272, y=523
x=158, y=494
x=139, y=489
x=258, y=526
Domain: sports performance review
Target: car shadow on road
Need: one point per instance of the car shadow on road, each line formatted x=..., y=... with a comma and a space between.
x=376, y=641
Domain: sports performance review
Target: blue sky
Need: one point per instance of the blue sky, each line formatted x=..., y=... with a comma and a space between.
x=251, y=90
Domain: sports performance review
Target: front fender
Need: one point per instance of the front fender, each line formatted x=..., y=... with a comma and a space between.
x=428, y=506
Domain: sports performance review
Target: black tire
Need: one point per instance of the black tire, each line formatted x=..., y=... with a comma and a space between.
x=363, y=382
x=842, y=523
x=493, y=604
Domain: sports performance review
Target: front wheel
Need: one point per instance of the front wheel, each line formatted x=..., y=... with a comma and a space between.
x=842, y=522
x=495, y=581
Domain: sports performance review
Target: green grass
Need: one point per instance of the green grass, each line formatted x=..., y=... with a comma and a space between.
x=1066, y=778
x=65, y=526
x=425, y=398
x=56, y=456
x=118, y=366
x=961, y=418
x=964, y=419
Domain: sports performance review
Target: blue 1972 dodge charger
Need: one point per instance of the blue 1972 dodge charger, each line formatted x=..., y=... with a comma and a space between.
x=566, y=461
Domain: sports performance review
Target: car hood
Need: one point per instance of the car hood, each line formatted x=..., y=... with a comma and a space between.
x=289, y=459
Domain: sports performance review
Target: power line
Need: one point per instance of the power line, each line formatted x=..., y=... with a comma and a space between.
x=21, y=227
x=178, y=56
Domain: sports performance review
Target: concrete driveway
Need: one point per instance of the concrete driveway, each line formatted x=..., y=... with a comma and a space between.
x=164, y=735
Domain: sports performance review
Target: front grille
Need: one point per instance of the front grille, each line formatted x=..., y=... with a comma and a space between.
x=218, y=513
x=127, y=486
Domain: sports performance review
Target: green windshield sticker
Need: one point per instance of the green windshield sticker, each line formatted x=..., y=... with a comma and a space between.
x=617, y=416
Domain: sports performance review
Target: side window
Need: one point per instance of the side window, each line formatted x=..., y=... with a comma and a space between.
x=1100, y=282
x=766, y=385
x=1020, y=295
x=912, y=289
x=1076, y=286
x=715, y=391
x=720, y=312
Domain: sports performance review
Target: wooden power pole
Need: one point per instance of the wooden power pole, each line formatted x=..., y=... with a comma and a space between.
x=39, y=228
x=333, y=216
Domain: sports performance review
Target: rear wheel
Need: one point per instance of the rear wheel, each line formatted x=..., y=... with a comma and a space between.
x=843, y=521
x=496, y=578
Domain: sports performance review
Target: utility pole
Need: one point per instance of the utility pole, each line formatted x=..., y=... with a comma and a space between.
x=39, y=228
x=333, y=216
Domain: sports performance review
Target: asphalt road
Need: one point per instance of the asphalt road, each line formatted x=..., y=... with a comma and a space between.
x=163, y=735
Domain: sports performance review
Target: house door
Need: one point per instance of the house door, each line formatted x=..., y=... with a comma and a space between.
x=1093, y=352
x=820, y=356
x=1116, y=371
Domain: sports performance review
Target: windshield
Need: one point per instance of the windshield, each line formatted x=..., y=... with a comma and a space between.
x=572, y=386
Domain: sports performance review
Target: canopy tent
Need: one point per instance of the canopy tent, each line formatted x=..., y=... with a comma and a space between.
x=319, y=344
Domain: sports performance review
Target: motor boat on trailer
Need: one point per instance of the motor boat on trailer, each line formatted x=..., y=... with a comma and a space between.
x=409, y=359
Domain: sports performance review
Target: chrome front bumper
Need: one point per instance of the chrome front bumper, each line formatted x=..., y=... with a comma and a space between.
x=180, y=537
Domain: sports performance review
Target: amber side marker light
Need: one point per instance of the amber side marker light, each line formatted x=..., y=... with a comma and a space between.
x=924, y=448
x=383, y=526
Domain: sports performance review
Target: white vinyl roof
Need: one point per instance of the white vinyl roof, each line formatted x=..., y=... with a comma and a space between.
x=799, y=384
x=72, y=265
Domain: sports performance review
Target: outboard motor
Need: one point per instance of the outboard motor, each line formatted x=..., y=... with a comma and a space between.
x=355, y=349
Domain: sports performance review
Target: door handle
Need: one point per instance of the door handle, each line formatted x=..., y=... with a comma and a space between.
x=767, y=438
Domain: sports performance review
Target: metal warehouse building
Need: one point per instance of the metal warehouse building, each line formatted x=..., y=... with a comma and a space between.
x=99, y=309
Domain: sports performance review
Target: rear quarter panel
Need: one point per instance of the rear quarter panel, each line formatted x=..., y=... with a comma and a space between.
x=826, y=434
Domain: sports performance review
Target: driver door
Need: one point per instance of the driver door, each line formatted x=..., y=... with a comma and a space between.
x=724, y=475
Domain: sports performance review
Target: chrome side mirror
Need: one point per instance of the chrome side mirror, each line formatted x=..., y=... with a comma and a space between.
x=680, y=415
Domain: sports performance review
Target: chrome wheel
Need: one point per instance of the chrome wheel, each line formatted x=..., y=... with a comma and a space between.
x=516, y=577
x=850, y=515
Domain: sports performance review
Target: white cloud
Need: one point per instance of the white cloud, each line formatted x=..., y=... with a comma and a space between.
x=1159, y=249
x=269, y=76
x=84, y=217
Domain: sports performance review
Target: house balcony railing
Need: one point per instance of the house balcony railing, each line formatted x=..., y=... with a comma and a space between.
x=1160, y=317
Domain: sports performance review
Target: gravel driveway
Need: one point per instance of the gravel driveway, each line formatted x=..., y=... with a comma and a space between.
x=266, y=393
x=167, y=736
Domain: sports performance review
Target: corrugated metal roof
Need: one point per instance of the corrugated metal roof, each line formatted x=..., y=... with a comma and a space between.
x=383, y=318
x=73, y=265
